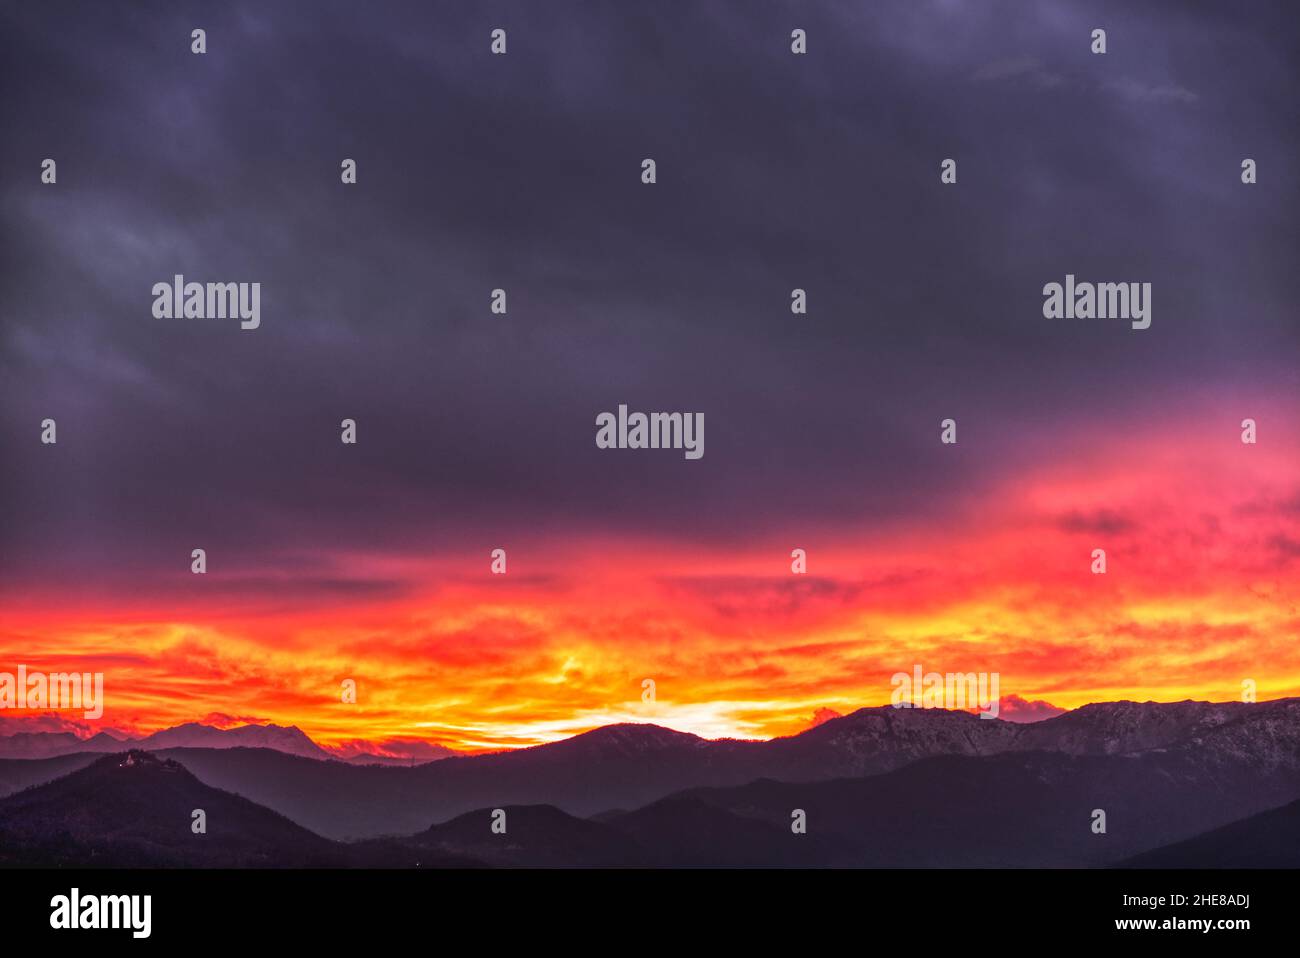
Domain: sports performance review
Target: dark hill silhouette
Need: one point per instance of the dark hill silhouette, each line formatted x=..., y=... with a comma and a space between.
x=133, y=809
x=684, y=831
x=535, y=836
x=1030, y=809
x=1268, y=840
x=679, y=831
x=17, y=774
x=1014, y=809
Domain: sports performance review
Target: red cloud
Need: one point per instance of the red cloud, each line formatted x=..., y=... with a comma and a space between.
x=1013, y=708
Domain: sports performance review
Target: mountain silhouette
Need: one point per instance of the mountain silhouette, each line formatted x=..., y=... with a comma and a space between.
x=684, y=831
x=1163, y=772
x=536, y=836
x=1268, y=840
x=1011, y=810
x=630, y=766
x=51, y=744
x=1027, y=809
x=679, y=831
x=288, y=739
x=17, y=774
x=134, y=809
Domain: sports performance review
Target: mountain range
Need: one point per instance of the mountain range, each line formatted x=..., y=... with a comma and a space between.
x=288, y=739
x=881, y=787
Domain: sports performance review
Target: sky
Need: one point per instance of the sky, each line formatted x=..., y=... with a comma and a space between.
x=476, y=431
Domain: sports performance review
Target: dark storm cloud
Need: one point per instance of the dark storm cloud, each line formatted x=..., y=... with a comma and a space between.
x=522, y=172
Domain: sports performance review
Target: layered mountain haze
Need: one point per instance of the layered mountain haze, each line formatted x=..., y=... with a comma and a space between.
x=1015, y=809
x=135, y=809
x=879, y=787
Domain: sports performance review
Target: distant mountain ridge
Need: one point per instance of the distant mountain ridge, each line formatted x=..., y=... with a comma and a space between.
x=630, y=766
x=288, y=739
x=864, y=740
x=1027, y=809
x=881, y=787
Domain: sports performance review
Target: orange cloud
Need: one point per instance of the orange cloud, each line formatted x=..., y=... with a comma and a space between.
x=1200, y=594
